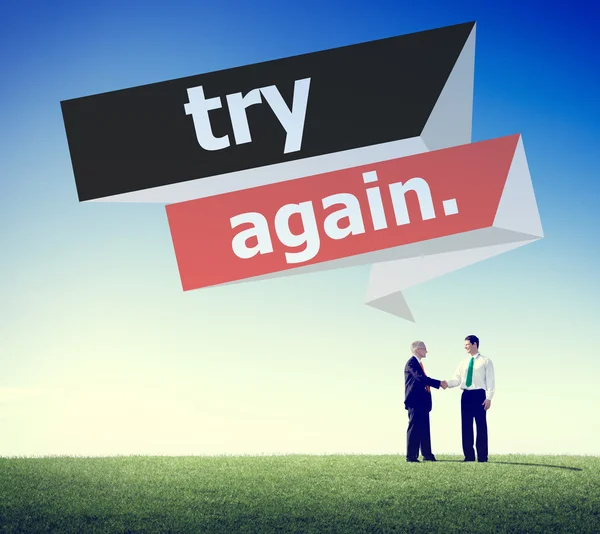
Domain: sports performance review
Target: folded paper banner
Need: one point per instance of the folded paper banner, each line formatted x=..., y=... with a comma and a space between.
x=274, y=121
x=354, y=121
x=415, y=218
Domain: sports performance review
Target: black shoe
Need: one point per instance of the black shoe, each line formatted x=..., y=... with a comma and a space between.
x=430, y=459
x=412, y=460
x=468, y=460
x=482, y=461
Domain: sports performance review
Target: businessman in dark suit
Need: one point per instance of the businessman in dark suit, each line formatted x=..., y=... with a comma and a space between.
x=417, y=400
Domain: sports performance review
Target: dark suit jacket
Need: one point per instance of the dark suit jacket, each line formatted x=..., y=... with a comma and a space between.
x=415, y=382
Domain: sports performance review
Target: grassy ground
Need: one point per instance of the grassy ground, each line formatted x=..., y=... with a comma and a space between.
x=344, y=494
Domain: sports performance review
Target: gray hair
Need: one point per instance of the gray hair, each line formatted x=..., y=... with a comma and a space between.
x=415, y=345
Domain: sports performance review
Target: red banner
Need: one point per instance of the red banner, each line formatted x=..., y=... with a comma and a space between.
x=320, y=218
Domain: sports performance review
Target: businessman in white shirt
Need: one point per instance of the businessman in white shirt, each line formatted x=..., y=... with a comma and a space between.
x=475, y=376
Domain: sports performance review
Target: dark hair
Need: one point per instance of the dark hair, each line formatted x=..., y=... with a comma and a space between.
x=473, y=339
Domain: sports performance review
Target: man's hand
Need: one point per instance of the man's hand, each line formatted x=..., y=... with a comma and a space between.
x=486, y=404
x=444, y=384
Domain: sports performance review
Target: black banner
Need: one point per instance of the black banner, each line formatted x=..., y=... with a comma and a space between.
x=258, y=115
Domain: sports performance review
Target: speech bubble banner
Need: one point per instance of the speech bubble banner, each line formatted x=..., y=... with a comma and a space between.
x=348, y=156
x=402, y=208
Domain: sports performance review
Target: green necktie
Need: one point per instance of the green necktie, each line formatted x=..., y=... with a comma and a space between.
x=470, y=372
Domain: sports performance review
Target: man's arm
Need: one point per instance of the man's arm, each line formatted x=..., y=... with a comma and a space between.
x=421, y=378
x=434, y=383
x=490, y=384
x=453, y=382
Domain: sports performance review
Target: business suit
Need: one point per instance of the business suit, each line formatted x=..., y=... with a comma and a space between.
x=417, y=400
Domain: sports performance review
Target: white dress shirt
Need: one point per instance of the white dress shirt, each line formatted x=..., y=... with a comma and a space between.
x=483, y=375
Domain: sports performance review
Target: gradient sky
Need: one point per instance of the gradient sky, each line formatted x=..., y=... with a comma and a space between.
x=101, y=352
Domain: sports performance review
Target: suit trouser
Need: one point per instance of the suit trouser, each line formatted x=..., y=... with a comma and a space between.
x=418, y=434
x=471, y=407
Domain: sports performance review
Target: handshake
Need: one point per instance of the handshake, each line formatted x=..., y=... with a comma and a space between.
x=443, y=384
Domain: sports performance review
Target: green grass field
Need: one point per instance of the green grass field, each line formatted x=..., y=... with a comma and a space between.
x=264, y=494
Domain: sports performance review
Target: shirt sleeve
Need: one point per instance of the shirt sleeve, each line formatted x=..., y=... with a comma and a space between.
x=490, y=380
x=452, y=383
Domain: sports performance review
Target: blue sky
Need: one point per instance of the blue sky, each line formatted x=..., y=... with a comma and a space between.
x=103, y=353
